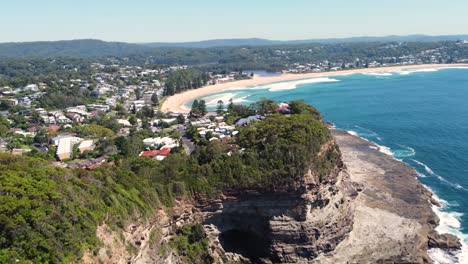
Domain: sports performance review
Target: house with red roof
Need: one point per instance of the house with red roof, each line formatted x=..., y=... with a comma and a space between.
x=54, y=128
x=164, y=151
x=149, y=153
x=158, y=154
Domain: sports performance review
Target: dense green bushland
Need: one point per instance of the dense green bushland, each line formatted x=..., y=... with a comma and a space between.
x=192, y=244
x=50, y=214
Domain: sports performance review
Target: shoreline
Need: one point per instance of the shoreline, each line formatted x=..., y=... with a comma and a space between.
x=393, y=203
x=438, y=255
x=176, y=103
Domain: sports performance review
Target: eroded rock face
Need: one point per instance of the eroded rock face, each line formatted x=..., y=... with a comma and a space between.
x=444, y=241
x=373, y=210
x=283, y=226
x=393, y=217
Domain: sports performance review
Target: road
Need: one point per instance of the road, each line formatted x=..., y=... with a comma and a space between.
x=189, y=146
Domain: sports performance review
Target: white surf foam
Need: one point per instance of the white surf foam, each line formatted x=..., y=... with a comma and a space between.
x=406, y=72
x=458, y=67
x=420, y=175
x=365, y=129
x=385, y=150
x=212, y=101
x=449, y=223
x=405, y=152
x=428, y=170
x=440, y=178
x=440, y=256
x=369, y=133
x=378, y=73
x=281, y=86
x=253, y=87
x=449, y=220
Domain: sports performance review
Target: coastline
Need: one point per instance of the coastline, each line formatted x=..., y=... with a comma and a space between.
x=176, y=103
x=394, y=216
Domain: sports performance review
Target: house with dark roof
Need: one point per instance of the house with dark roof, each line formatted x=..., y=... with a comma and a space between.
x=247, y=120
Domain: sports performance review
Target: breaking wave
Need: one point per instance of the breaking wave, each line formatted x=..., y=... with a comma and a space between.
x=407, y=72
x=281, y=86
x=212, y=101
x=449, y=223
x=378, y=73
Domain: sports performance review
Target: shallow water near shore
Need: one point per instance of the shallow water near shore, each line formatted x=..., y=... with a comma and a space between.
x=419, y=117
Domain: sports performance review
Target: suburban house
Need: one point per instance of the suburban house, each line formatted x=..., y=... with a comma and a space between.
x=157, y=154
x=161, y=142
x=86, y=145
x=65, y=146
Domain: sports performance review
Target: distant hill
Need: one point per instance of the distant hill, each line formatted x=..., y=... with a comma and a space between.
x=88, y=48
x=266, y=42
x=217, y=43
x=69, y=48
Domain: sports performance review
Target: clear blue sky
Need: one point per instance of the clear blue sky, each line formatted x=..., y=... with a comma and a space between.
x=188, y=20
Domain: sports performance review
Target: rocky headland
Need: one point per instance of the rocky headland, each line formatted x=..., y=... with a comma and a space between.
x=370, y=209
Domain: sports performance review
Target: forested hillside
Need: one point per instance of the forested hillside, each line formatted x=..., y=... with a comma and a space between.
x=272, y=56
x=84, y=48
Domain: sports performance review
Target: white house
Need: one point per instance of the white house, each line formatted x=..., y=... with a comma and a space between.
x=31, y=87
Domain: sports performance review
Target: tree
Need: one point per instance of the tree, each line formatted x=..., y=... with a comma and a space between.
x=12, y=145
x=35, y=117
x=41, y=136
x=180, y=119
x=95, y=131
x=121, y=111
x=301, y=107
x=3, y=130
x=122, y=145
x=202, y=107
x=242, y=110
x=195, y=108
x=146, y=111
x=138, y=93
x=220, y=107
x=265, y=106
x=4, y=106
x=154, y=99
x=231, y=105
x=195, y=104
x=133, y=120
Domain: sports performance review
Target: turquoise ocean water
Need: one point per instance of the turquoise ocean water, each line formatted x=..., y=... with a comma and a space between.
x=419, y=117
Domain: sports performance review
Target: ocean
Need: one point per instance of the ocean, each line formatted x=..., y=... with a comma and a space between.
x=418, y=116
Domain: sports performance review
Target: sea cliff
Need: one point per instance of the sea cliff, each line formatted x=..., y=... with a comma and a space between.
x=370, y=209
x=393, y=217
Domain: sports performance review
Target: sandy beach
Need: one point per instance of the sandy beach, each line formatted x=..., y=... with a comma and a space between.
x=176, y=102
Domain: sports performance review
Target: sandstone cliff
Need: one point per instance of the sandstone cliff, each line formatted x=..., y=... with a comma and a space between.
x=369, y=209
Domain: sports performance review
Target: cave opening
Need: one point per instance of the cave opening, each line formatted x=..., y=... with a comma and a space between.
x=245, y=243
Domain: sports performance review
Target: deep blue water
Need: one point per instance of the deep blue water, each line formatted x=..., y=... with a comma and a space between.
x=421, y=116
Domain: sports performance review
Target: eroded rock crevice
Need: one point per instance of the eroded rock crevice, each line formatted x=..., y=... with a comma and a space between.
x=282, y=227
